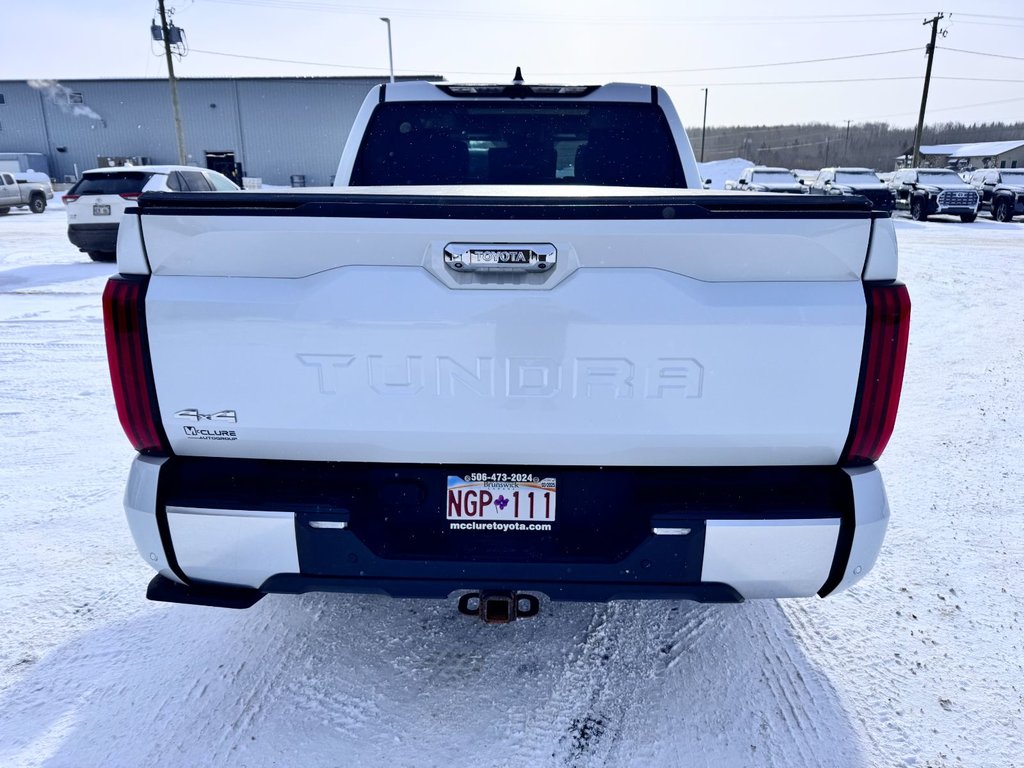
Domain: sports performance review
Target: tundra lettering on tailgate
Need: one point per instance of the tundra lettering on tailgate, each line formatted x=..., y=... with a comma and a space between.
x=617, y=378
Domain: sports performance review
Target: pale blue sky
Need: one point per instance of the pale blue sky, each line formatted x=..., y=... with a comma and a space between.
x=642, y=41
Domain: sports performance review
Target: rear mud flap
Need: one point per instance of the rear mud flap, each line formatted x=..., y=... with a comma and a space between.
x=161, y=589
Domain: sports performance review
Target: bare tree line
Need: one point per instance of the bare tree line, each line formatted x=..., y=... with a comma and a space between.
x=817, y=145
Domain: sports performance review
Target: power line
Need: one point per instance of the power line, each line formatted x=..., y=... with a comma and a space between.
x=632, y=19
x=673, y=85
x=773, y=64
x=1001, y=25
x=978, y=79
x=612, y=73
x=983, y=53
x=844, y=80
x=987, y=16
x=288, y=61
x=952, y=109
x=804, y=82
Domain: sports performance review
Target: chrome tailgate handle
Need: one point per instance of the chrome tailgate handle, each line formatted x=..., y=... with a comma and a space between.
x=500, y=257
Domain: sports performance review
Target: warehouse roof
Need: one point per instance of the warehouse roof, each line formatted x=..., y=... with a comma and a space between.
x=976, y=149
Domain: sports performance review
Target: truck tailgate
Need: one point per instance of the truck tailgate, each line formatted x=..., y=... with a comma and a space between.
x=687, y=330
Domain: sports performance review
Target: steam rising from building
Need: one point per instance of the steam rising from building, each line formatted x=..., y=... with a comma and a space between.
x=68, y=101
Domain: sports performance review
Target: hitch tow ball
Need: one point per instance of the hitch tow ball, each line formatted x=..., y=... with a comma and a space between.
x=499, y=607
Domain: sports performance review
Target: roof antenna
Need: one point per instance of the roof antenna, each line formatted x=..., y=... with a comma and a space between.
x=517, y=79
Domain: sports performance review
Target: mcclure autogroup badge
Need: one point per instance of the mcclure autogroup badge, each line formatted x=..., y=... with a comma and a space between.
x=200, y=433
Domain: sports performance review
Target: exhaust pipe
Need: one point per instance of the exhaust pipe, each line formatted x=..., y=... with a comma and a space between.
x=499, y=607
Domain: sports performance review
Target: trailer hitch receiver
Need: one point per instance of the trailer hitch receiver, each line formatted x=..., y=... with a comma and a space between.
x=499, y=607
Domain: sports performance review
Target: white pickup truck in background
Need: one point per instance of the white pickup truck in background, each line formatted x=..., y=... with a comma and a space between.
x=516, y=351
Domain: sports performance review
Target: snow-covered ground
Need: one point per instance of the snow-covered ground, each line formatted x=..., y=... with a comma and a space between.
x=919, y=665
x=721, y=171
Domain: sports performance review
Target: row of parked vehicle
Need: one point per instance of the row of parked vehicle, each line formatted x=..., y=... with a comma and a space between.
x=922, y=192
x=829, y=181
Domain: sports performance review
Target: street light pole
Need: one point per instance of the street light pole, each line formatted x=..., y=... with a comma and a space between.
x=391, y=60
x=704, y=125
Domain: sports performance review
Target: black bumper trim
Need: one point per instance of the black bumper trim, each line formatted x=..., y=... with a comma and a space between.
x=163, y=590
x=600, y=592
x=389, y=533
x=93, y=237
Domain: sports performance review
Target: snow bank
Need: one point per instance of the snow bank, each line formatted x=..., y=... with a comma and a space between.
x=721, y=171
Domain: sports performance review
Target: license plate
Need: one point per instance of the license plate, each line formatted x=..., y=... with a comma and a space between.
x=101, y=210
x=503, y=498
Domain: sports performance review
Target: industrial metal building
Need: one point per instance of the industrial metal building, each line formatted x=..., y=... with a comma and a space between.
x=983, y=154
x=272, y=128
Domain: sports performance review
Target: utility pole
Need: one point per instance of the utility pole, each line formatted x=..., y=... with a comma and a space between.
x=846, y=146
x=704, y=125
x=927, y=79
x=182, y=157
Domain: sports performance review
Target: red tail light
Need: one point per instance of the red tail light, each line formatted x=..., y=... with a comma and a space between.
x=881, y=377
x=130, y=195
x=124, y=321
x=68, y=198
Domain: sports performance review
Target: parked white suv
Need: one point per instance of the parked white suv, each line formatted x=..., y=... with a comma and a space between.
x=96, y=202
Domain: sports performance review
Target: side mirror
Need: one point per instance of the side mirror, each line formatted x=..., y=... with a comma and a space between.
x=708, y=182
x=801, y=181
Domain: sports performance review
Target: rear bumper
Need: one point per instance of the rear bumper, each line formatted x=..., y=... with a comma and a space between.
x=93, y=237
x=723, y=534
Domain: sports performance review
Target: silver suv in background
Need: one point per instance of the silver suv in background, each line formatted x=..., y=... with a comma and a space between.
x=95, y=203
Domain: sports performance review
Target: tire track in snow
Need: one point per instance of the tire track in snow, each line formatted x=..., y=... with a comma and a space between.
x=588, y=716
x=728, y=685
x=792, y=699
x=564, y=735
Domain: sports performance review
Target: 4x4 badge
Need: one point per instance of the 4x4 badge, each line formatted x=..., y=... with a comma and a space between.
x=192, y=413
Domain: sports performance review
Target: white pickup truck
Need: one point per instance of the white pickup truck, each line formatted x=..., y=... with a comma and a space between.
x=516, y=351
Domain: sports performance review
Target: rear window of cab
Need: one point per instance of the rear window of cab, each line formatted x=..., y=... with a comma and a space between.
x=519, y=142
x=121, y=183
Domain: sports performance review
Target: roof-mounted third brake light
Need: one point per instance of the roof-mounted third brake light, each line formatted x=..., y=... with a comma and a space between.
x=518, y=89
